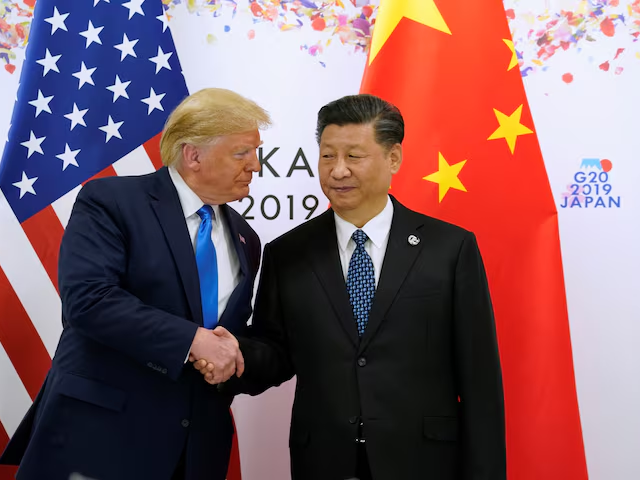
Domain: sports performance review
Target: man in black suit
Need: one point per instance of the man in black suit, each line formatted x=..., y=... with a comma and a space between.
x=148, y=266
x=384, y=316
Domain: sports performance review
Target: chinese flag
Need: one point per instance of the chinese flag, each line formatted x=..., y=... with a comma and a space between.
x=472, y=158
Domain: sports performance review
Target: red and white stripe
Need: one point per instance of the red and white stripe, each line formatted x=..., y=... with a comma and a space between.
x=30, y=308
x=30, y=319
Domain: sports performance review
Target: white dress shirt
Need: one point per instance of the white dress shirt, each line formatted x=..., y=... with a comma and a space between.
x=377, y=229
x=228, y=263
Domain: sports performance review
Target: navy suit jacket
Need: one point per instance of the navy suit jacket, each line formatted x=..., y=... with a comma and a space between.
x=119, y=402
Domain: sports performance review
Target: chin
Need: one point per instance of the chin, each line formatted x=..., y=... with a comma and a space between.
x=242, y=193
x=342, y=206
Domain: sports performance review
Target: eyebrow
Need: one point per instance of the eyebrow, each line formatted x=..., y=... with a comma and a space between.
x=249, y=145
x=353, y=145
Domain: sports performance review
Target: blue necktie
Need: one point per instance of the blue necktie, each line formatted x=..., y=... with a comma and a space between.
x=361, y=281
x=207, y=262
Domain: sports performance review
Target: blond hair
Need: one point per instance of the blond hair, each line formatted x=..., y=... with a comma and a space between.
x=205, y=115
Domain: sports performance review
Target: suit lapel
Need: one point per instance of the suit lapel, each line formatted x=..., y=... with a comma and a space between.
x=325, y=260
x=398, y=260
x=241, y=250
x=166, y=205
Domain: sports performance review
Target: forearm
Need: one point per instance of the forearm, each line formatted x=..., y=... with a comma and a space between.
x=266, y=366
x=478, y=373
x=117, y=319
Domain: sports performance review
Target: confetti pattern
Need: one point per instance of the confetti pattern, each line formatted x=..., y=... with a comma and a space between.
x=15, y=22
x=349, y=22
x=538, y=35
x=580, y=25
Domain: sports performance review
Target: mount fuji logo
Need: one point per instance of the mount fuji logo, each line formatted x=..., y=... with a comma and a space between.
x=591, y=187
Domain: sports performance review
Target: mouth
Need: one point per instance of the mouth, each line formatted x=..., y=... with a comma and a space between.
x=343, y=189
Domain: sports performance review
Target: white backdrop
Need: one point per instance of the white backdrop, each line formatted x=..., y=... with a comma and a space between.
x=586, y=104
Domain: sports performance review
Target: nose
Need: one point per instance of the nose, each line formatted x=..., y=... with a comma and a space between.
x=253, y=165
x=340, y=170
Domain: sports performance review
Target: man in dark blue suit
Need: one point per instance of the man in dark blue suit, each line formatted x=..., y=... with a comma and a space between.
x=148, y=266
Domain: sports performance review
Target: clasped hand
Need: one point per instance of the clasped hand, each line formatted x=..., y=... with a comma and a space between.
x=216, y=355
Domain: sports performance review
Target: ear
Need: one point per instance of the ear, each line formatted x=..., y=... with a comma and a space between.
x=395, y=158
x=191, y=157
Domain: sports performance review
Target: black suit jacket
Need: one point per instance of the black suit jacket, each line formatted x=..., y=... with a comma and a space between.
x=119, y=403
x=424, y=379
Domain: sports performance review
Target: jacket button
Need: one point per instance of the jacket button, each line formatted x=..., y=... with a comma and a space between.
x=185, y=423
x=362, y=362
x=353, y=420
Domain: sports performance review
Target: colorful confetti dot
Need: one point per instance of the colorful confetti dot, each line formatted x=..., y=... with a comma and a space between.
x=567, y=78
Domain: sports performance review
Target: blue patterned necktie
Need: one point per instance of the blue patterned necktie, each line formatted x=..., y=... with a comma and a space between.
x=361, y=281
x=207, y=262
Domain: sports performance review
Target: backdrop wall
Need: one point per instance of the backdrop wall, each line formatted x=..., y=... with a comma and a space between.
x=581, y=65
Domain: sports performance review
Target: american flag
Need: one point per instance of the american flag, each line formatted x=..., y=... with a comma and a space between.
x=97, y=84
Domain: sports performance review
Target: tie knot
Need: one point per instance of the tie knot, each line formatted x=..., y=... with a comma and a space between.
x=359, y=237
x=205, y=212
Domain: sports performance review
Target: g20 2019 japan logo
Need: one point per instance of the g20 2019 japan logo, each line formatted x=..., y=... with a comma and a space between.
x=591, y=186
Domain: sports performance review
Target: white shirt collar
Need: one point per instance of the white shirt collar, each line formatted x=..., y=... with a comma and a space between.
x=190, y=202
x=377, y=229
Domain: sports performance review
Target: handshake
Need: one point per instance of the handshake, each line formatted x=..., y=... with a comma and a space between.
x=216, y=355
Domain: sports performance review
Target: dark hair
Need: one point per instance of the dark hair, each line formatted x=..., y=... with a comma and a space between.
x=387, y=120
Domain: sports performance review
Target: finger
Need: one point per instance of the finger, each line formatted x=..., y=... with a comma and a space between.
x=210, y=367
x=232, y=370
x=200, y=364
x=229, y=370
x=218, y=376
x=192, y=358
x=239, y=364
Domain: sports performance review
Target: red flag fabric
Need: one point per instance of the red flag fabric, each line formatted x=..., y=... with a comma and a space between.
x=471, y=157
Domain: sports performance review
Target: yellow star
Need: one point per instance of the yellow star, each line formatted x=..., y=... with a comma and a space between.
x=514, y=57
x=446, y=177
x=391, y=12
x=510, y=127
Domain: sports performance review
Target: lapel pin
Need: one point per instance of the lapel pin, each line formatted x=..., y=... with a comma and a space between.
x=413, y=240
x=242, y=240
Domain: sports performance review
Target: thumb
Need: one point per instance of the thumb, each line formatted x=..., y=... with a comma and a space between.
x=221, y=332
x=239, y=364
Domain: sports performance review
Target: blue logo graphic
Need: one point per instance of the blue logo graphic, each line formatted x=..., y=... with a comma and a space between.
x=591, y=187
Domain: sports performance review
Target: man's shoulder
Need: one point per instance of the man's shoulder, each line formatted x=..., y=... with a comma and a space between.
x=303, y=233
x=117, y=186
x=406, y=216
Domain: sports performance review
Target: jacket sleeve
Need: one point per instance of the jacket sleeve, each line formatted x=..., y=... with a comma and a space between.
x=266, y=351
x=93, y=262
x=478, y=370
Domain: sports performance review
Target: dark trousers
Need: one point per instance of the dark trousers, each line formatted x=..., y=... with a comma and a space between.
x=180, y=471
x=363, y=472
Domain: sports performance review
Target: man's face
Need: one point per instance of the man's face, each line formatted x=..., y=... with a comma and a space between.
x=355, y=171
x=226, y=167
